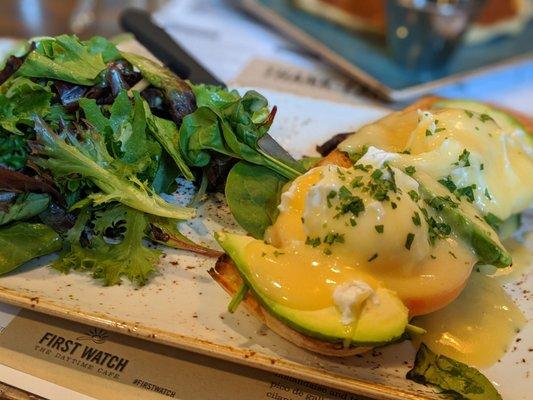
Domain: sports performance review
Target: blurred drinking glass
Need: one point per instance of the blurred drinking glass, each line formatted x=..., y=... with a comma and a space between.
x=423, y=34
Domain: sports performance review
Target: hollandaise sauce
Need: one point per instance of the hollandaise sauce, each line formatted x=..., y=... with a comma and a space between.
x=467, y=152
x=343, y=232
x=478, y=327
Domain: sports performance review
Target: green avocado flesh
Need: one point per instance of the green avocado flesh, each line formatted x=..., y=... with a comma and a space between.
x=488, y=250
x=504, y=120
x=378, y=323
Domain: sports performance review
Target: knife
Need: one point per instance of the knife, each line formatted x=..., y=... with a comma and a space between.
x=170, y=53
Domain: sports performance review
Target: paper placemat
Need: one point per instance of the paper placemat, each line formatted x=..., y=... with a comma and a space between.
x=105, y=365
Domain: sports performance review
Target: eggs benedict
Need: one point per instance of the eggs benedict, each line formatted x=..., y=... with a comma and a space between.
x=386, y=227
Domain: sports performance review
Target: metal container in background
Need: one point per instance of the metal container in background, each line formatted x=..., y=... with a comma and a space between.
x=423, y=34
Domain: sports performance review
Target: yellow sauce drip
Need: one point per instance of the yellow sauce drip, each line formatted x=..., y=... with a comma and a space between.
x=301, y=277
x=477, y=327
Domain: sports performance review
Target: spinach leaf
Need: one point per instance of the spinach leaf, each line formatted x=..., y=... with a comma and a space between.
x=88, y=246
x=232, y=125
x=450, y=376
x=24, y=241
x=26, y=205
x=253, y=194
x=66, y=58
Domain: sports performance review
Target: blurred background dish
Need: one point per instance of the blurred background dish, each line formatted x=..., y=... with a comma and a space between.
x=496, y=17
x=499, y=36
x=422, y=35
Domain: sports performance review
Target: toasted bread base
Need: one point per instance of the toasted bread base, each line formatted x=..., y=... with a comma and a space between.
x=226, y=275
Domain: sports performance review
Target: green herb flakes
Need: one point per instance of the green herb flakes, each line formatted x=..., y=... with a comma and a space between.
x=413, y=194
x=331, y=195
x=448, y=183
x=409, y=240
x=333, y=237
x=416, y=219
x=373, y=257
x=410, y=170
x=485, y=117
x=467, y=192
x=315, y=242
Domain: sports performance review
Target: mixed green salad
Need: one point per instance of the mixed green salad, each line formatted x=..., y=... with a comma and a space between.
x=91, y=137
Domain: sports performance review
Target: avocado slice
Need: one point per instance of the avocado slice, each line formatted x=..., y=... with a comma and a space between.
x=379, y=323
x=504, y=120
x=488, y=249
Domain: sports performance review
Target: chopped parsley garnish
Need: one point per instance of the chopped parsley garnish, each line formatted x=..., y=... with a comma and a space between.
x=379, y=187
x=362, y=167
x=332, y=237
x=410, y=170
x=373, y=257
x=406, y=151
x=439, y=130
x=433, y=257
x=342, y=175
x=409, y=240
x=379, y=228
x=469, y=113
x=464, y=159
x=315, y=242
x=331, y=195
x=416, y=219
x=452, y=254
x=482, y=167
x=377, y=174
x=485, y=117
x=413, y=194
x=393, y=205
x=487, y=194
x=448, y=183
x=357, y=182
x=344, y=193
x=467, y=191
x=277, y=253
x=436, y=230
x=327, y=251
x=353, y=204
x=353, y=222
x=429, y=133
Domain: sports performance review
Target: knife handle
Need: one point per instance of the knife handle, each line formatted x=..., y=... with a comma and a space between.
x=158, y=42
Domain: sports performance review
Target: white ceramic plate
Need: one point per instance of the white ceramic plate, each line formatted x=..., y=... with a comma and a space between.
x=183, y=307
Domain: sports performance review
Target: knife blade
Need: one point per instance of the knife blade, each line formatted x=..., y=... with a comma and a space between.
x=150, y=35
